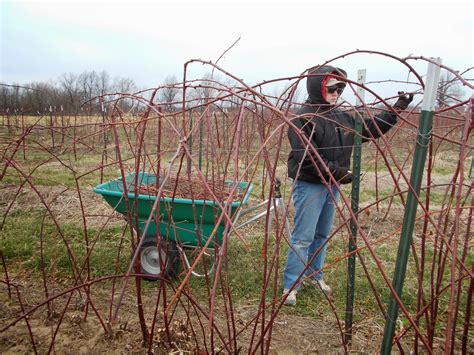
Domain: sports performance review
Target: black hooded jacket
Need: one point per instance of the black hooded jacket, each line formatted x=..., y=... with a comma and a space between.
x=330, y=131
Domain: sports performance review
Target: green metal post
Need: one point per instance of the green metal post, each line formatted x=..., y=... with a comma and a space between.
x=423, y=139
x=355, y=208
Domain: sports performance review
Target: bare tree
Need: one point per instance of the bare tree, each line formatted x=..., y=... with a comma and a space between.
x=93, y=85
x=9, y=97
x=169, y=92
x=41, y=98
x=87, y=83
x=103, y=83
x=71, y=91
x=449, y=90
x=124, y=86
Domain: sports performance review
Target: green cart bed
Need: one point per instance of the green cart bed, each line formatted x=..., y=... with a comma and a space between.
x=188, y=223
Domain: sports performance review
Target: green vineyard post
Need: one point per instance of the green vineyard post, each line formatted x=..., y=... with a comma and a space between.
x=423, y=139
x=355, y=208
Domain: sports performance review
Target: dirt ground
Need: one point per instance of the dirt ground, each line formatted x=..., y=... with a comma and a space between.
x=291, y=334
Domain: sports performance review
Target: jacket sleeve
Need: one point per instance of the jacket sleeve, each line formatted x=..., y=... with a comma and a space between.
x=384, y=120
x=305, y=156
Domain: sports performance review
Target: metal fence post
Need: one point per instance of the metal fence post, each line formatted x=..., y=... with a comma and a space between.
x=355, y=208
x=423, y=139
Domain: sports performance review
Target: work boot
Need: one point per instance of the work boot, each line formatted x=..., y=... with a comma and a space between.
x=320, y=285
x=291, y=299
x=324, y=287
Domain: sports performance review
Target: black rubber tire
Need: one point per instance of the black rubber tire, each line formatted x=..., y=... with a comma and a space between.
x=158, y=262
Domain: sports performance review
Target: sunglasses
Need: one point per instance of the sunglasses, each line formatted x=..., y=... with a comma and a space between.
x=334, y=88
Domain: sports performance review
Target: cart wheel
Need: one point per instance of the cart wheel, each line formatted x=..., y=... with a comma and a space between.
x=161, y=261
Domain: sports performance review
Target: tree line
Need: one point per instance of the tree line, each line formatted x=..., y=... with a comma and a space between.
x=82, y=93
x=71, y=93
x=75, y=93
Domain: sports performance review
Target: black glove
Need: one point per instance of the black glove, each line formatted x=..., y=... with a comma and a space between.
x=403, y=101
x=342, y=175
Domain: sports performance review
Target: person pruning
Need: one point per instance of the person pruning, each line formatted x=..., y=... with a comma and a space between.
x=330, y=132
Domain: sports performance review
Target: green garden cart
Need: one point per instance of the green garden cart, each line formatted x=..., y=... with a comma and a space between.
x=170, y=225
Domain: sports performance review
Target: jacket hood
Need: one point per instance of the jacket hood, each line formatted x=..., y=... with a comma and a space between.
x=314, y=83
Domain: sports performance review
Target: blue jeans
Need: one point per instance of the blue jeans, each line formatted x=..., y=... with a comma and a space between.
x=314, y=216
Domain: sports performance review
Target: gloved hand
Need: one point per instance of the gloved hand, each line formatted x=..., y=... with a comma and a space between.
x=342, y=175
x=403, y=101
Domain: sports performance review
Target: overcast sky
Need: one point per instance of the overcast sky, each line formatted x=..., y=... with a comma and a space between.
x=147, y=41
